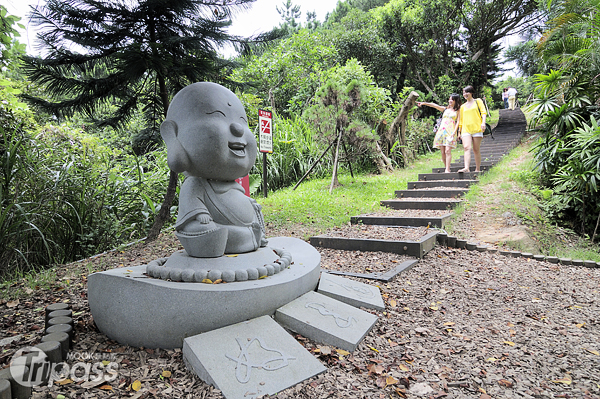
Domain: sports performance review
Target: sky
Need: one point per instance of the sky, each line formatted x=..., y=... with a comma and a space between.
x=260, y=18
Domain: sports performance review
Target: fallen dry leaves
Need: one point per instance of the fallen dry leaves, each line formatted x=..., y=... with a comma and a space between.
x=485, y=338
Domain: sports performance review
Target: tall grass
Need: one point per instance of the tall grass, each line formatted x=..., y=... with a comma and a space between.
x=295, y=150
x=64, y=196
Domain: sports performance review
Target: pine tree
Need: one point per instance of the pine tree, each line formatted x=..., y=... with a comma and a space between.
x=132, y=54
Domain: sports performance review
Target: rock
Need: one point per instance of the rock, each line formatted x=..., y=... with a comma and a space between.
x=516, y=236
x=420, y=389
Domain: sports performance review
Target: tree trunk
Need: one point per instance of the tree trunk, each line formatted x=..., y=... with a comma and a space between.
x=383, y=163
x=313, y=166
x=334, y=178
x=400, y=122
x=596, y=229
x=165, y=210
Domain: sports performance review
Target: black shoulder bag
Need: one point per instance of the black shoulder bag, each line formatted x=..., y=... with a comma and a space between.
x=488, y=127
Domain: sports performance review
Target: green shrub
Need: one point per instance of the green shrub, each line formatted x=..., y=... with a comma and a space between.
x=295, y=150
x=65, y=196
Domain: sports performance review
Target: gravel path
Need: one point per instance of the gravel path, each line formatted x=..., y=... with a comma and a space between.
x=375, y=232
x=460, y=324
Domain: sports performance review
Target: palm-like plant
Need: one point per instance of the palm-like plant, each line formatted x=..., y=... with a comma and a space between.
x=572, y=38
x=568, y=152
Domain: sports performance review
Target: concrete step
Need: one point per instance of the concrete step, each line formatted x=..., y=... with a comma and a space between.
x=494, y=159
x=456, y=167
x=444, y=193
x=326, y=320
x=485, y=153
x=415, y=185
x=483, y=163
x=428, y=203
x=401, y=221
x=461, y=161
x=351, y=292
x=500, y=143
x=250, y=359
x=498, y=146
x=412, y=248
x=449, y=176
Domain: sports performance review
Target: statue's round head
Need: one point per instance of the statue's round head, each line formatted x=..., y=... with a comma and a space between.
x=207, y=134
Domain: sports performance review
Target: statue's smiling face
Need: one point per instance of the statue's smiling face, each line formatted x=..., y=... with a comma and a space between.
x=216, y=137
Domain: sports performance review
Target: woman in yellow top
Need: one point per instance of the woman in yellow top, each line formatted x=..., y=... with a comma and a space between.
x=472, y=125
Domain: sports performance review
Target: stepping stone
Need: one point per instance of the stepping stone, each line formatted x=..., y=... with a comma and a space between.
x=10, y=340
x=326, y=320
x=250, y=359
x=471, y=246
x=5, y=389
x=451, y=241
x=351, y=292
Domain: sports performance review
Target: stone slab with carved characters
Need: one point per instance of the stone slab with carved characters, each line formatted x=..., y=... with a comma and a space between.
x=326, y=320
x=351, y=292
x=250, y=359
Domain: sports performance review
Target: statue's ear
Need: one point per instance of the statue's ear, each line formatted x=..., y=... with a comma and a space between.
x=177, y=157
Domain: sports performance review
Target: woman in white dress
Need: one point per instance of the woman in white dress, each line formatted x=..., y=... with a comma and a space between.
x=446, y=136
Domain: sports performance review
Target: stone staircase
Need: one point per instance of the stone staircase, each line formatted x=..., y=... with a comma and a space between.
x=432, y=191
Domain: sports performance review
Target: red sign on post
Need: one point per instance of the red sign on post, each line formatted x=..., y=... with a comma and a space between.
x=245, y=182
x=265, y=121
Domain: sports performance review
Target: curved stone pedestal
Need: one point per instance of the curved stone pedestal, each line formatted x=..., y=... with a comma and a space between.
x=136, y=310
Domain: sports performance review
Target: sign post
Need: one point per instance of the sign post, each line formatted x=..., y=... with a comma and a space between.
x=265, y=122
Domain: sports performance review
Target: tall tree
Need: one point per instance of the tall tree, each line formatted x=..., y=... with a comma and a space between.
x=525, y=55
x=343, y=7
x=342, y=111
x=424, y=36
x=453, y=38
x=486, y=22
x=571, y=40
x=129, y=53
x=287, y=76
x=289, y=12
x=358, y=37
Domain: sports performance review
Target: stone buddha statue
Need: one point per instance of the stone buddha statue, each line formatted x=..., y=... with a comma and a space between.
x=208, y=139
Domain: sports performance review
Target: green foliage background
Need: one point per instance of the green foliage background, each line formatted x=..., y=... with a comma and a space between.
x=71, y=188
